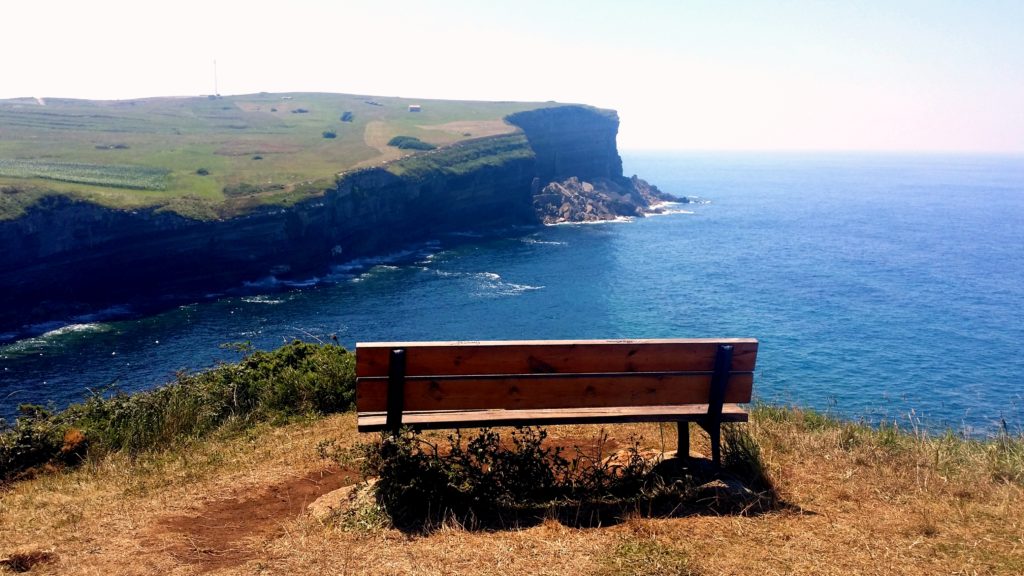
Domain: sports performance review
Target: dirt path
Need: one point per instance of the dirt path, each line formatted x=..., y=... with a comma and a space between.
x=229, y=532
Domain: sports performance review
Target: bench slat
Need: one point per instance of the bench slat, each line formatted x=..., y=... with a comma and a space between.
x=550, y=391
x=562, y=356
x=440, y=419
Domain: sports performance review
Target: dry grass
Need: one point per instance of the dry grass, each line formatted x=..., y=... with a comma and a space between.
x=862, y=502
x=476, y=129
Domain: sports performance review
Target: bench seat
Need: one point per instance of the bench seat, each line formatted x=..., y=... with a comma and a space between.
x=440, y=419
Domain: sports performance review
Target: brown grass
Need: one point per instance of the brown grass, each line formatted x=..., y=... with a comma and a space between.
x=863, y=502
x=476, y=129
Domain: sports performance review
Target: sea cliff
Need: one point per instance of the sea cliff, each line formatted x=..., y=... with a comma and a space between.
x=66, y=257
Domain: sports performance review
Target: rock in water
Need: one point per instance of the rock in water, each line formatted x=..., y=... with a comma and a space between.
x=575, y=200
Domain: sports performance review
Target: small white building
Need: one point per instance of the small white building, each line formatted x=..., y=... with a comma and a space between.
x=414, y=108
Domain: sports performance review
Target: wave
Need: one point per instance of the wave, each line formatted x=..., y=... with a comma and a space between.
x=486, y=284
x=274, y=283
x=490, y=284
x=265, y=283
x=616, y=220
x=378, y=269
x=76, y=329
x=54, y=332
x=668, y=211
x=263, y=299
x=528, y=240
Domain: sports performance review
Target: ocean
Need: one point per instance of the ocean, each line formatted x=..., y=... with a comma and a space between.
x=882, y=288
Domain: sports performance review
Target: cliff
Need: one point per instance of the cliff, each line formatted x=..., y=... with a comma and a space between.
x=65, y=257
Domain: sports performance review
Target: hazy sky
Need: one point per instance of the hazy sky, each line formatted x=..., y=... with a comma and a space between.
x=885, y=75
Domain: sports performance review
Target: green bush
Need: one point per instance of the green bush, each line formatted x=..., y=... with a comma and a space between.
x=297, y=379
x=410, y=143
x=420, y=485
x=35, y=439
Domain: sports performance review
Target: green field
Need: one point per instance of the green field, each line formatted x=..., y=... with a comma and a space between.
x=215, y=157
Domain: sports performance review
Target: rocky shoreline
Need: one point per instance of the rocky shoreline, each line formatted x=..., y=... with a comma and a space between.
x=598, y=199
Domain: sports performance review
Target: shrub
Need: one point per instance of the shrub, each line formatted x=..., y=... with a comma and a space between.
x=410, y=143
x=300, y=111
x=347, y=117
x=297, y=379
x=330, y=134
x=35, y=439
x=479, y=479
x=203, y=172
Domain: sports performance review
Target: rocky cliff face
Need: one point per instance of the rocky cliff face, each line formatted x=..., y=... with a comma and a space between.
x=64, y=257
x=572, y=141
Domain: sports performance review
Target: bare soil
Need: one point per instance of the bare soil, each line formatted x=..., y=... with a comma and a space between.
x=228, y=532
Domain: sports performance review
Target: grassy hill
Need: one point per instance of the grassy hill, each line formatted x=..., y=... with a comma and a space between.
x=196, y=155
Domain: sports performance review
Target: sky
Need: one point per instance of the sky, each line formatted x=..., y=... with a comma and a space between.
x=890, y=75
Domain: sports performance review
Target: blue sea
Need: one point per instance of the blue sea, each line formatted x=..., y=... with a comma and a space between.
x=882, y=288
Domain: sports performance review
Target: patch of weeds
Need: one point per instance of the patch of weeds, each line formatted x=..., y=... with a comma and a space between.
x=364, y=513
x=1005, y=457
x=647, y=557
x=890, y=438
x=849, y=437
x=814, y=421
x=772, y=413
x=741, y=457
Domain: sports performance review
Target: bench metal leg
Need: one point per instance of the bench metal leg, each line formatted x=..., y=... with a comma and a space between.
x=715, y=433
x=396, y=389
x=683, y=443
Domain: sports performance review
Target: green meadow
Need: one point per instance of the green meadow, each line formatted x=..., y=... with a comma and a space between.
x=215, y=157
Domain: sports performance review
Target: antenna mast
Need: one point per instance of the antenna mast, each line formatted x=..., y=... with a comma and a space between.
x=216, y=92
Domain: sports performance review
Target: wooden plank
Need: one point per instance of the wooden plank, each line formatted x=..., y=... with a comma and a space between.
x=556, y=356
x=514, y=392
x=375, y=421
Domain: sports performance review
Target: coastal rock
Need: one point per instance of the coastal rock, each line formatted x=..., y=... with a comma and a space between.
x=576, y=200
x=333, y=503
x=726, y=493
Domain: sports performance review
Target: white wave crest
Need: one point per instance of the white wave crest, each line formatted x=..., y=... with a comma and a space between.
x=528, y=240
x=262, y=300
x=76, y=329
x=616, y=220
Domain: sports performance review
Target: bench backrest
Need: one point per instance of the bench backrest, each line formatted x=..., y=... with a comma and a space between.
x=550, y=374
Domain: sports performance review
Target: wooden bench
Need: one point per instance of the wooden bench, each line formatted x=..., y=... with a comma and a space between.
x=425, y=385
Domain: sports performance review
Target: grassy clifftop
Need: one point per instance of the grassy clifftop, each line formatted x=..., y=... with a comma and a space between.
x=193, y=154
x=232, y=497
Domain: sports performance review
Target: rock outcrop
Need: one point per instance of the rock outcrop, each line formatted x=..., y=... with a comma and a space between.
x=575, y=200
